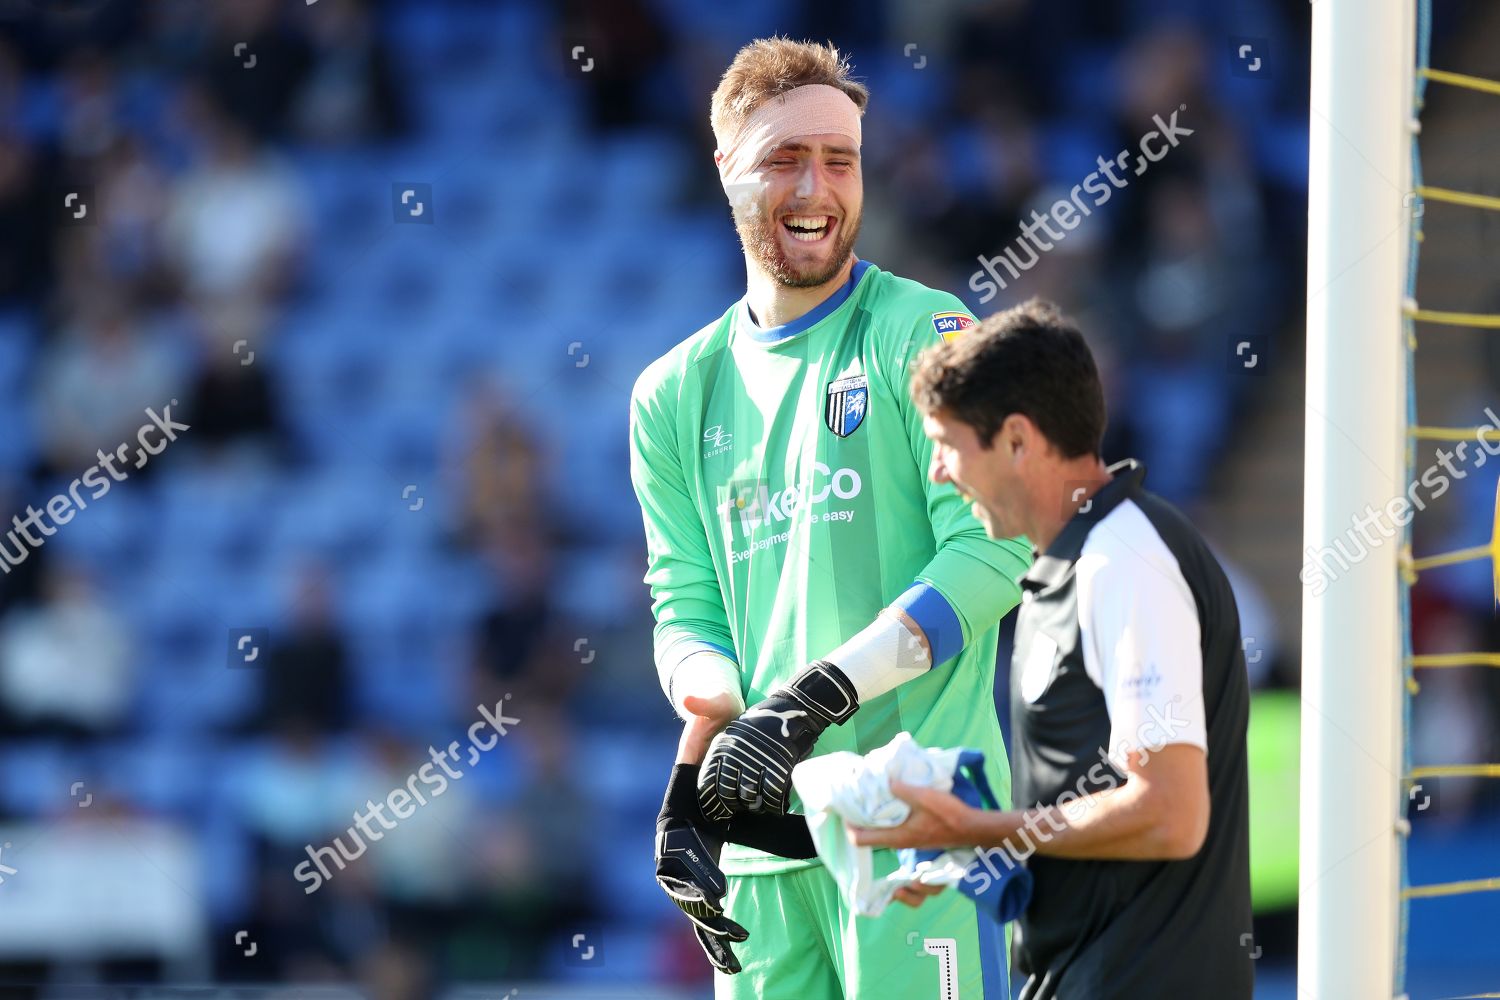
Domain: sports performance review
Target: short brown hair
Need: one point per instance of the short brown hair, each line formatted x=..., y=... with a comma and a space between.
x=1028, y=359
x=771, y=66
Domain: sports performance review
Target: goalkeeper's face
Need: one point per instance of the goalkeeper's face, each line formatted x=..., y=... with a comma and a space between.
x=801, y=230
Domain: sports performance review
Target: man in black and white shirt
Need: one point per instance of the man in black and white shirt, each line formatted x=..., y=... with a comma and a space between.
x=1129, y=697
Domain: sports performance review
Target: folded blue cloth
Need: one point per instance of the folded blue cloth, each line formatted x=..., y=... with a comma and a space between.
x=996, y=881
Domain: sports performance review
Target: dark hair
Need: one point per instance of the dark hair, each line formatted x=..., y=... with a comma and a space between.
x=1027, y=359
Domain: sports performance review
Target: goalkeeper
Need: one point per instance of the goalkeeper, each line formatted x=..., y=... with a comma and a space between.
x=801, y=562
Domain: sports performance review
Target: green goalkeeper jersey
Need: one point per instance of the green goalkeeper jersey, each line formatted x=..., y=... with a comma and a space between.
x=782, y=475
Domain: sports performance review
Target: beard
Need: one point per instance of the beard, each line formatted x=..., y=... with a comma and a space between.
x=759, y=237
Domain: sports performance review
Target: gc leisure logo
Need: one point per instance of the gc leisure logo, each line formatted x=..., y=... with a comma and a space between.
x=717, y=441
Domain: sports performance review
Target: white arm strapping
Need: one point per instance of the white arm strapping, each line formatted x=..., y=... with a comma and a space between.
x=704, y=673
x=882, y=656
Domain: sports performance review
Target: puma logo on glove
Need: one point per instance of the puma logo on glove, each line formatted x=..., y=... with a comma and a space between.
x=749, y=765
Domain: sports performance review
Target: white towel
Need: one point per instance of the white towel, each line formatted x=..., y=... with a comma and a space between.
x=844, y=788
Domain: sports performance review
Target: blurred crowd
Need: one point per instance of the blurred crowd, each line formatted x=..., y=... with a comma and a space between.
x=416, y=507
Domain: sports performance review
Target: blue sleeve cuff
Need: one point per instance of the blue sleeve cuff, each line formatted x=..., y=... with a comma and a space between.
x=937, y=619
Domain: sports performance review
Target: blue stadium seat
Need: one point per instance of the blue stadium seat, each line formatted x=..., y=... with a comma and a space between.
x=17, y=358
x=636, y=946
x=625, y=869
x=17, y=348
x=1070, y=152
x=727, y=26
x=623, y=768
x=405, y=617
x=914, y=96
x=336, y=509
x=212, y=509
x=228, y=856
x=158, y=776
x=642, y=174
x=107, y=534
x=39, y=775
x=419, y=35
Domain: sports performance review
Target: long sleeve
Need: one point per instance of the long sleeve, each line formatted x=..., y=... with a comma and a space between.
x=687, y=601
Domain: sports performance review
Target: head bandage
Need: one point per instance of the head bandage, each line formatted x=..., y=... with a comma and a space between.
x=809, y=110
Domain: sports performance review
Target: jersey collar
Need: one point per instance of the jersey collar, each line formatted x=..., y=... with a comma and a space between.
x=808, y=320
x=1053, y=566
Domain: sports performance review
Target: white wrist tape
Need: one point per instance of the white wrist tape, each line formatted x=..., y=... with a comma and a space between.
x=705, y=673
x=882, y=656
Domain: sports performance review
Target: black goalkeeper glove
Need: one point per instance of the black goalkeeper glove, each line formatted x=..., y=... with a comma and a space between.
x=749, y=764
x=687, y=860
x=687, y=869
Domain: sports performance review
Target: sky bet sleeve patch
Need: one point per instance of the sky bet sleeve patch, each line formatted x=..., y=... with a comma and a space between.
x=951, y=324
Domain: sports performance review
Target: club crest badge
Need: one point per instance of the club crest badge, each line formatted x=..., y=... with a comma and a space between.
x=848, y=399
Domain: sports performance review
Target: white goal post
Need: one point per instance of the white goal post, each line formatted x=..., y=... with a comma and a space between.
x=1352, y=744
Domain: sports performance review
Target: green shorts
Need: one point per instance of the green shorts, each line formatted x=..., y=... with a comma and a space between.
x=806, y=945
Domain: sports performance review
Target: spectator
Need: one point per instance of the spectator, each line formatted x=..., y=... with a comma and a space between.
x=67, y=664
x=296, y=793
x=23, y=570
x=528, y=891
x=25, y=221
x=231, y=399
x=260, y=95
x=503, y=515
x=97, y=381
x=235, y=220
x=24, y=215
x=89, y=116
x=625, y=40
x=423, y=869
x=126, y=245
x=350, y=92
x=307, y=683
x=500, y=469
